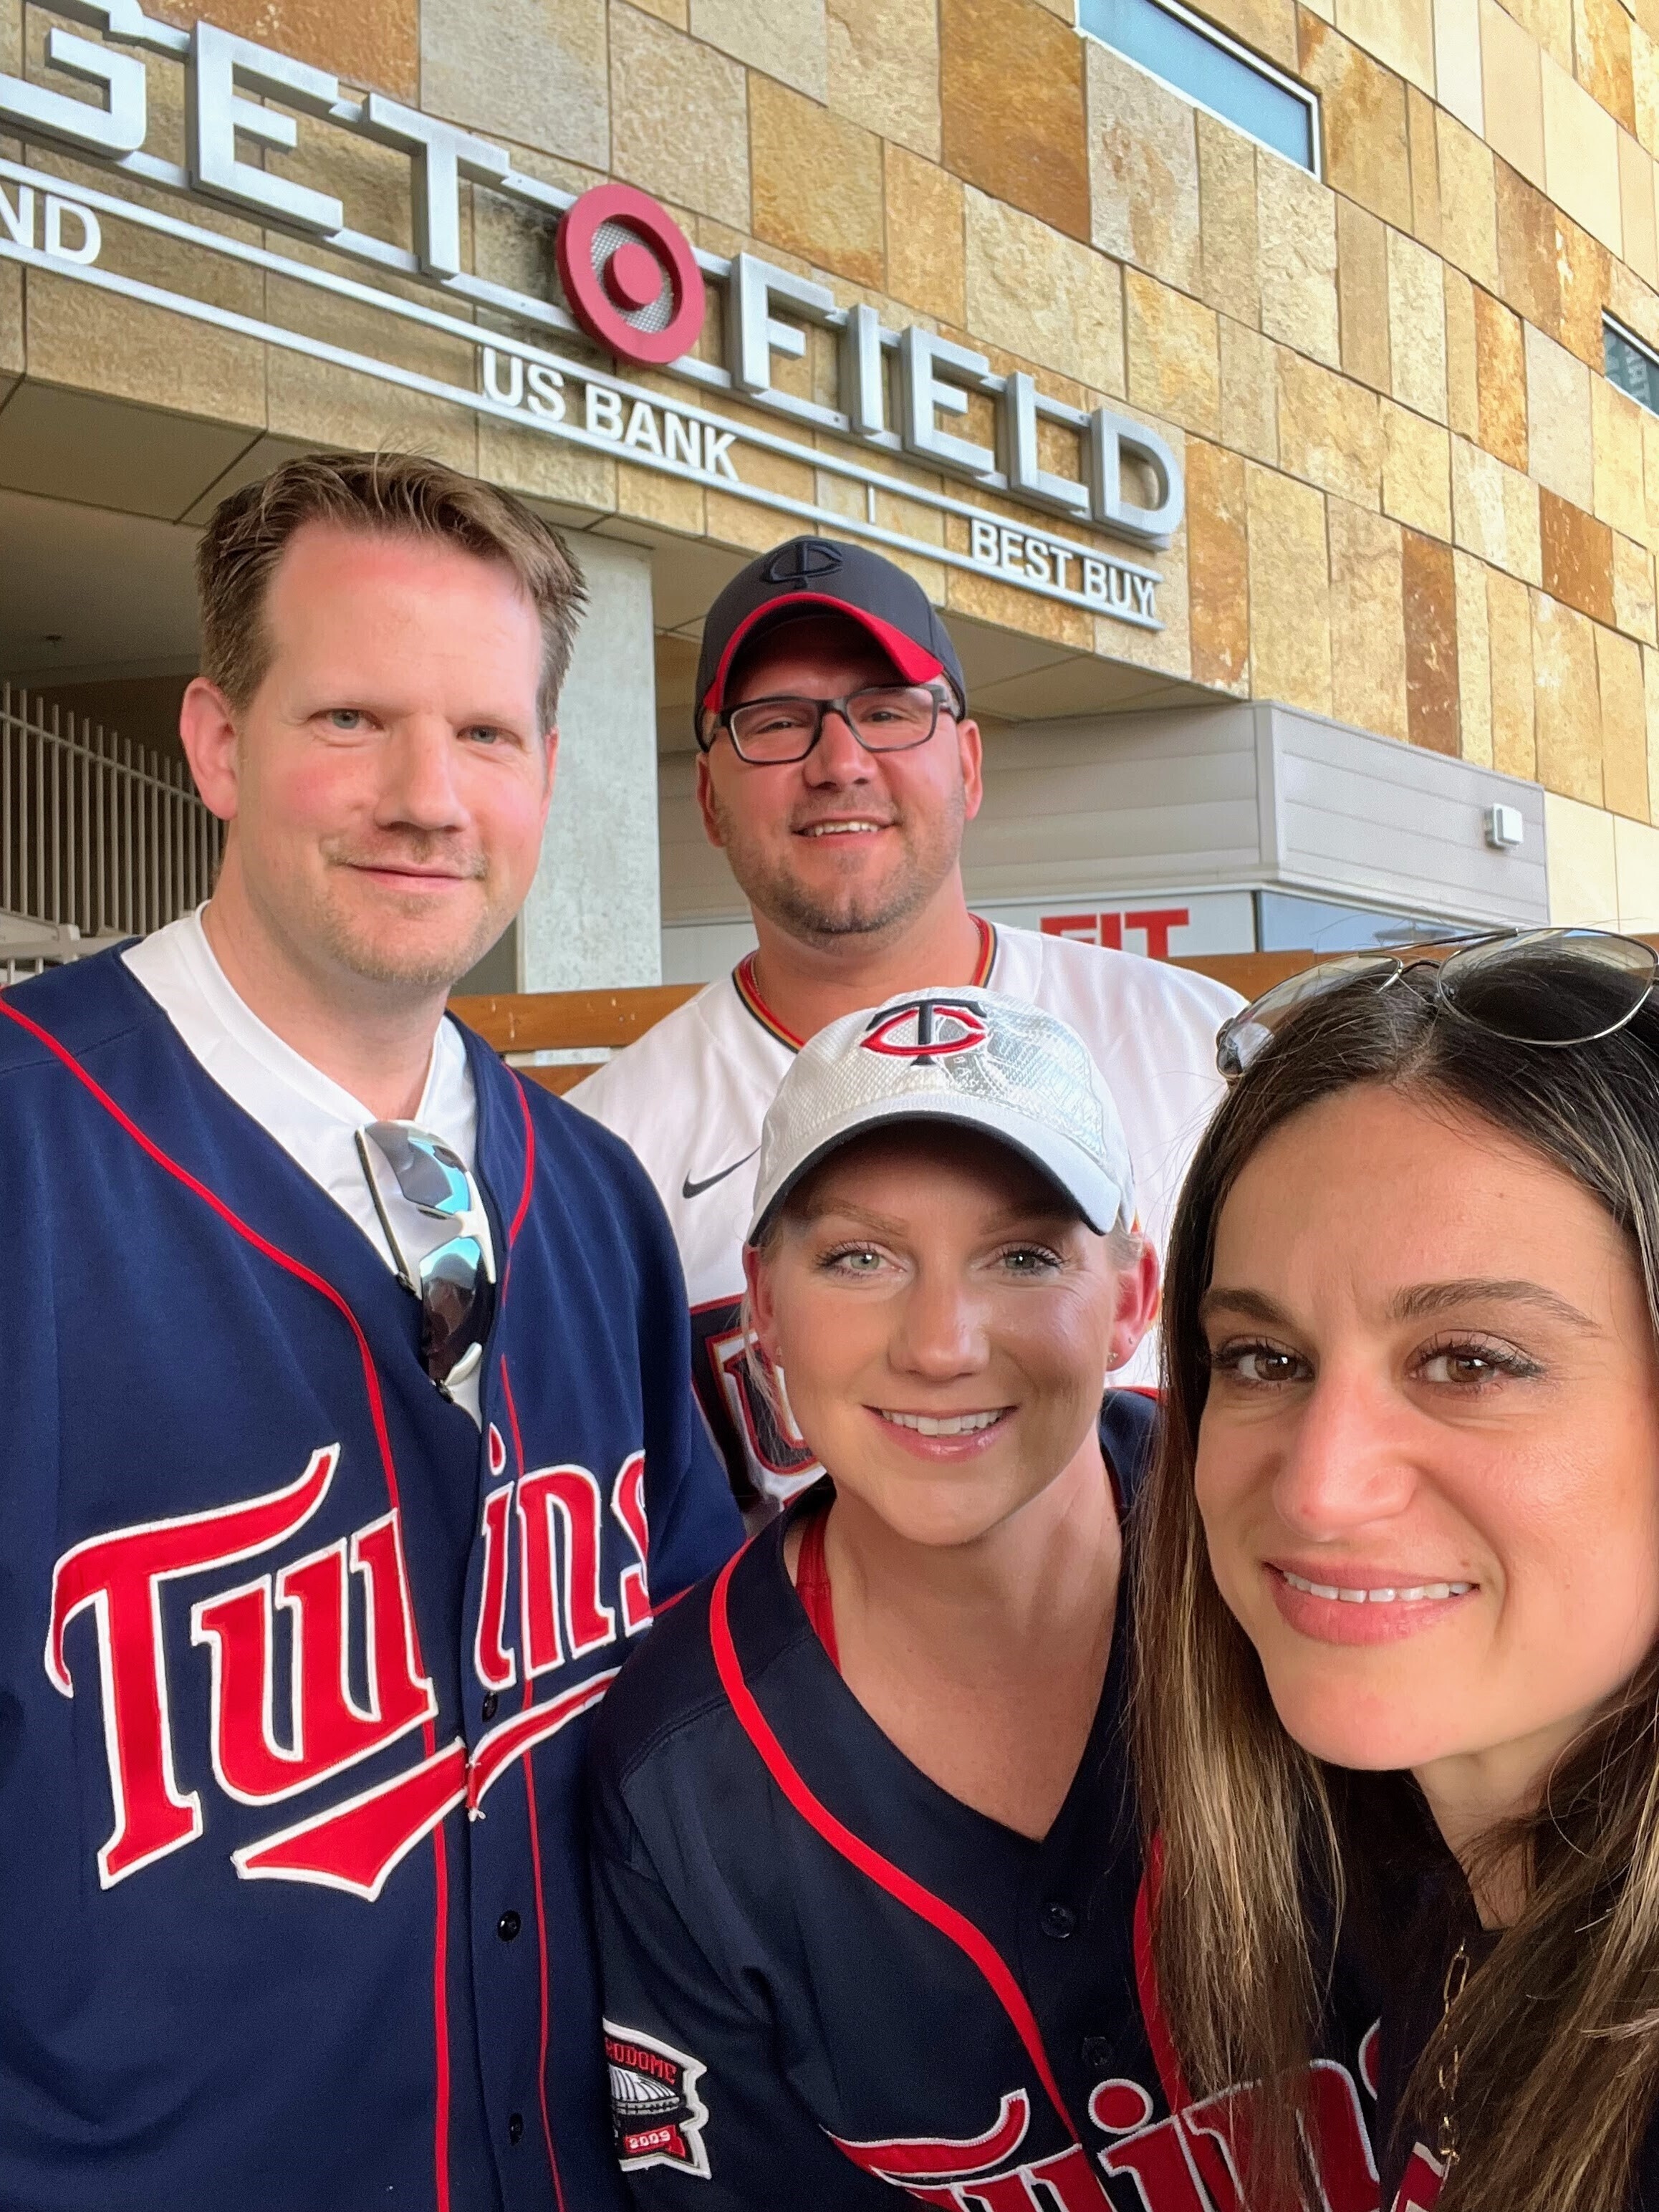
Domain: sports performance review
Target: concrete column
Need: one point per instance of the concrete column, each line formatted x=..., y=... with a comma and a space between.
x=593, y=916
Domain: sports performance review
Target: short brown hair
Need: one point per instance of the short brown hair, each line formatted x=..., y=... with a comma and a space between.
x=381, y=495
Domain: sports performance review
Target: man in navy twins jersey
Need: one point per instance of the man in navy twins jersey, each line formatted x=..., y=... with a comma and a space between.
x=874, y=1916
x=346, y=1438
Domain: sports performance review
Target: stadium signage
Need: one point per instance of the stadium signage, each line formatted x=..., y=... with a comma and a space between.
x=630, y=284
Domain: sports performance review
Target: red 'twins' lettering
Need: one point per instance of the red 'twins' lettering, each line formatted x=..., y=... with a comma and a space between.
x=571, y=1494
x=1193, y=2163
x=330, y=1730
x=120, y=1578
x=491, y=1659
x=1421, y=2184
x=563, y=1613
x=260, y=1755
x=1190, y=2161
x=967, y=2175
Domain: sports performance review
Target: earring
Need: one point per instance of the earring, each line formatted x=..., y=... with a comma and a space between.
x=790, y=1426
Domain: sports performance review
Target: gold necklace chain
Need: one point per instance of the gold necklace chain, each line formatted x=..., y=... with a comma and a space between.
x=1457, y=1975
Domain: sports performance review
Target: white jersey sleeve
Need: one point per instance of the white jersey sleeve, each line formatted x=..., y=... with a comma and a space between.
x=690, y=1097
x=1151, y=1028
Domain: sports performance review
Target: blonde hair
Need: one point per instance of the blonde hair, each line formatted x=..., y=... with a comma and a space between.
x=380, y=494
x=1557, y=2035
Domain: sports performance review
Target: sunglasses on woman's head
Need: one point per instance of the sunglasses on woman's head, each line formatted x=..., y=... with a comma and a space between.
x=455, y=1279
x=1542, y=987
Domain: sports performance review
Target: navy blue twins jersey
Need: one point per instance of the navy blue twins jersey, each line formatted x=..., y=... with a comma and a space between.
x=830, y=1984
x=296, y=1663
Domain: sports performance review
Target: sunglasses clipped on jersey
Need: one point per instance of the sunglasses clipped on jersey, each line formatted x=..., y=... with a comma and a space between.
x=454, y=1279
x=1551, y=988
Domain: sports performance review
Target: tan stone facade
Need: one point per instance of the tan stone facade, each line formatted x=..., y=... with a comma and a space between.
x=1415, y=503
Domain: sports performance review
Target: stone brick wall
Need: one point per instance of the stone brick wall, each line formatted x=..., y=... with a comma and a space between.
x=1415, y=502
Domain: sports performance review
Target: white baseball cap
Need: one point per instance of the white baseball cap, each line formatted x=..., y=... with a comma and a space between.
x=975, y=1058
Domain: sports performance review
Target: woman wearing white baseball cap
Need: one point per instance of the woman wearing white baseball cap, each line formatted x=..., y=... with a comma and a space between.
x=871, y=1900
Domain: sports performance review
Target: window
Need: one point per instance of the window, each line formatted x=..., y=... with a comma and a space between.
x=1211, y=70
x=1630, y=366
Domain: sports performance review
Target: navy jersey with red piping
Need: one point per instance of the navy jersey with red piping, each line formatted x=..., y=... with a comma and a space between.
x=275, y=1617
x=831, y=1984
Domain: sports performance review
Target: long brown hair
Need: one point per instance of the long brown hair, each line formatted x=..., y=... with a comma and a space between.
x=1557, y=2035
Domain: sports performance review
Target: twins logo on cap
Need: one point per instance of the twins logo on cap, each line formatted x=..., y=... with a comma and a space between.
x=925, y=1029
x=800, y=559
x=999, y=1067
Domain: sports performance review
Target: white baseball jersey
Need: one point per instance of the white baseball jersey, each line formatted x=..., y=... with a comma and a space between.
x=690, y=1096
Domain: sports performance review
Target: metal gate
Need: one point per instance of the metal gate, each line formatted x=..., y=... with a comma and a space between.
x=99, y=838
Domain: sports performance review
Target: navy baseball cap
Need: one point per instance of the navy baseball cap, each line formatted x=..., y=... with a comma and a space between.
x=823, y=576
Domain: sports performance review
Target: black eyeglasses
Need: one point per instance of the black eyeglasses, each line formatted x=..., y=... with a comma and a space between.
x=887, y=718
x=455, y=1280
x=1542, y=987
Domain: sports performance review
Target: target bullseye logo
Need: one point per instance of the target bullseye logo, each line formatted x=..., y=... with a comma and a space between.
x=630, y=275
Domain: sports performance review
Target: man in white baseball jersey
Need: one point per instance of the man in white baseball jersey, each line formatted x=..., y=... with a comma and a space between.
x=838, y=769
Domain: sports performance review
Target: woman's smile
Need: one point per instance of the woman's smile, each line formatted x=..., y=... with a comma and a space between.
x=943, y=1435
x=1360, y=1604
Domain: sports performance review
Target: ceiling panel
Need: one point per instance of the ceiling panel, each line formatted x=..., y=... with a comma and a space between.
x=108, y=452
x=84, y=590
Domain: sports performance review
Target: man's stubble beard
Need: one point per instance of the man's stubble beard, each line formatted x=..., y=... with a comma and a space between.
x=372, y=953
x=856, y=910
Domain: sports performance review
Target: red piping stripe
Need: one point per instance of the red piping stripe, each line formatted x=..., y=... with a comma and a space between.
x=535, y=1831
x=440, y=2014
x=812, y=1586
x=529, y=1165
x=377, y=1412
x=1152, y=2007
x=909, y=1893
x=743, y=982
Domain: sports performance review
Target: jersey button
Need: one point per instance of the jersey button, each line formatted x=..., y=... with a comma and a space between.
x=490, y=1706
x=515, y=2127
x=1097, y=2050
x=1058, y=1921
x=508, y=1926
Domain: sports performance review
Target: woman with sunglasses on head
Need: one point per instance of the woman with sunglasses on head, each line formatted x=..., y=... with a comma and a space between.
x=867, y=1876
x=1399, y=1594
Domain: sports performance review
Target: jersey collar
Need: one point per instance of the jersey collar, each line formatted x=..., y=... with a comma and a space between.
x=743, y=982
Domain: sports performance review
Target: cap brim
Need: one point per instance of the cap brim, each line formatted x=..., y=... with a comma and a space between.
x=914, y=662
x=1079, y=1179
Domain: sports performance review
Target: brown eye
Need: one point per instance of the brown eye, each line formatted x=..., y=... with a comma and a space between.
x=1259, y=1366
x=1458, y=1367
x=1267, y=1366
x=1465, y=1366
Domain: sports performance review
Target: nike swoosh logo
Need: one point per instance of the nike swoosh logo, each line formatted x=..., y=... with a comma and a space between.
x=690, y=1189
